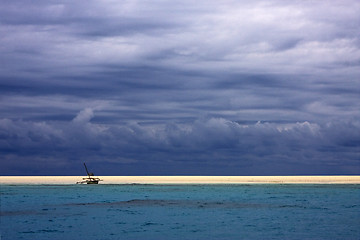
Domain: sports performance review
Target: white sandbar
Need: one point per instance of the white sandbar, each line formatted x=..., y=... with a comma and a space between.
x=185, y=179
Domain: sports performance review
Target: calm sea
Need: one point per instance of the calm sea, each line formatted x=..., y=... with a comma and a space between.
x=180, y=212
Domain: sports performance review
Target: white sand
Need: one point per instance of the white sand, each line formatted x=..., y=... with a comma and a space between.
x=185, y=179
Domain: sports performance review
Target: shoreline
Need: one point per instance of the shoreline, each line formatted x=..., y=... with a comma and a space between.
x=337, y=179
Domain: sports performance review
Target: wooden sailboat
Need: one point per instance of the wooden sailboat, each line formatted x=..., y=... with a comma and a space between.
x=90, y=179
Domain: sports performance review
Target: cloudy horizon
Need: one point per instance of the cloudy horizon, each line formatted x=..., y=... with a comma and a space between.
x=180, y=88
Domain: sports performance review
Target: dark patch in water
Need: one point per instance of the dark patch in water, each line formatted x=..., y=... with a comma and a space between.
x=172, y=203
x=44, y=231
x=18, y=213
x=351, y=206
x=28, y=232
x=291, y=206
x=49, y=230
x=120, y=223
x=150, y=224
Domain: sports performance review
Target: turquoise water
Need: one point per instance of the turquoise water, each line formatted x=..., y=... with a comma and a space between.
x=180, y=212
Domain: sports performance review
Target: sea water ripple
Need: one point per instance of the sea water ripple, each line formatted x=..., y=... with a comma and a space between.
x=180, y=211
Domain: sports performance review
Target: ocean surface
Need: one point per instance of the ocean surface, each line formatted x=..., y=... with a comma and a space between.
x=256, y=211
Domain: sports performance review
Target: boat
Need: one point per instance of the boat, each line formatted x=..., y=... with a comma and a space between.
x=90, y=179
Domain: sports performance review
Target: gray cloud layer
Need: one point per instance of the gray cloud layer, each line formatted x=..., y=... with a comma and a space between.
x=177, y=87
x=206, y=146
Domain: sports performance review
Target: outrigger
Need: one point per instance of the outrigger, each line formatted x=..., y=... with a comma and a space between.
x=90, y=179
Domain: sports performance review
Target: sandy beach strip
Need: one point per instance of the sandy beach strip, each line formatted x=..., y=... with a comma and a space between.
x=185, y=179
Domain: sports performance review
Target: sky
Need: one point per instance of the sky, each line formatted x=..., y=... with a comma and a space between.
x=138, y=87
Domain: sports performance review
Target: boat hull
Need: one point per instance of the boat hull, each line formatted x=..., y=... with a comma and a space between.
x=92, y=182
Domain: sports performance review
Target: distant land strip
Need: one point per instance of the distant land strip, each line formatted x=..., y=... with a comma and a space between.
x=345, y=179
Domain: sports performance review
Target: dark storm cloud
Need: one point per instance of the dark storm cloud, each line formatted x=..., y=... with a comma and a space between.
x=215, y=144
x=178, y=87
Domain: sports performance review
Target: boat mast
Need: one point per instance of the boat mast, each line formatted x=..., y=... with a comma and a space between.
x=87, y=171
